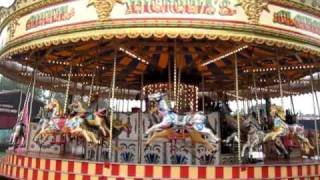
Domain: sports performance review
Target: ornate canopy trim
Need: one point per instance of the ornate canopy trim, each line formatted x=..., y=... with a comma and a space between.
x=185, y=33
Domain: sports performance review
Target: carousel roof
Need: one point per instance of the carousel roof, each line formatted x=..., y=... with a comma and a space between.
x=152, y=57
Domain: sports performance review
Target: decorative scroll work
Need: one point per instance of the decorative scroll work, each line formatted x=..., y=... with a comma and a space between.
x=12, y=28
x=104, y=7
x=253, y=9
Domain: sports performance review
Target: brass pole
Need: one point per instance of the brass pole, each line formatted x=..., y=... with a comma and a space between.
x=237, y=102
x=91, y=90
x=280, y=86
x=30, y=100
x=67, y=91
x=113, y=82
x=315, y=102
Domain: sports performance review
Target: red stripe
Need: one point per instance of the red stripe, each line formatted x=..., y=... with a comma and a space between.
x=120, y=179
x=166, y=171
x=57, y=176
x=84, y=167
x=86, y=177
x=71, y=177
x=99, y=169
x=316, y=169
x=22, y=161
x=17, y=160
x=309, y=169
x=250, y=172
x=103, y=178
x=184, y=171
x=299, y=170
x=58, y=165
x=18, y=172
x=29, y=162
x=38, y=163
x=11, y=171
x=289, y=172
x=45, y=175
x=202, y=172
x=25, y=173
x=235, y=172
x=219, y=172
x=47, y=164
x=131, y=170
x=148, y=171
x=115, y=169
x=265, y=172
x=278, y=171
x=35, y=174
x=311, y=178
x=71, y=166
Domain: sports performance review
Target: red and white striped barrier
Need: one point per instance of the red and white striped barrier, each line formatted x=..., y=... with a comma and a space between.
x=28, y=167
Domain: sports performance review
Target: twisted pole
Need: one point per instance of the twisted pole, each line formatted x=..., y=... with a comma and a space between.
x=113, y=82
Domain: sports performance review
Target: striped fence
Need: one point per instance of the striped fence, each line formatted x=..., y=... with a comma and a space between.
x=35, y=168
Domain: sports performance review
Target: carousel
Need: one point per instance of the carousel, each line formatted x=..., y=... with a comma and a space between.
x=147, y=86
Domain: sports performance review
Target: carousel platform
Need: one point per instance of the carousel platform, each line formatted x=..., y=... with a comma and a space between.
x=31, y=166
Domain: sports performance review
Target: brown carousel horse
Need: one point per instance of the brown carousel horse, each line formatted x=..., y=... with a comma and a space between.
x=96, y=119
x=100, y=120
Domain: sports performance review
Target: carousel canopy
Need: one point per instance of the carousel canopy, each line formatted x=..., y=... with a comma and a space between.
x=159, y=42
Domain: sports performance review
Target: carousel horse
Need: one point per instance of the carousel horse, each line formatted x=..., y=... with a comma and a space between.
x=58, y=124
x=172, y=121
x=255, y=138
x=100, y=120
x=18, y=136
x=96, y=119
x=281, y=129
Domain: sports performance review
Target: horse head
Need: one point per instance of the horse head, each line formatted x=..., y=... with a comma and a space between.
x=54, y=105
x=156, y=96
x=77, y=107
x=277, y=111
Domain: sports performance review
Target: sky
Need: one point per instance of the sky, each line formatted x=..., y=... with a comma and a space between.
x=302, y=103
x=6, y=3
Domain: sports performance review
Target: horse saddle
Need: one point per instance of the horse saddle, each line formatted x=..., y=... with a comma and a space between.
x=181, y=121
x=101, y=113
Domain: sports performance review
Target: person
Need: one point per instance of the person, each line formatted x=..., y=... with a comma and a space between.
x=93, y=104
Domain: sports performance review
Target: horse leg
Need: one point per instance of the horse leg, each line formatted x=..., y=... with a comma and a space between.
x=155, y=127
x=105, y=128
x=244, y=148
x=280, y=145
x=83, y=133
x=197, y=138
x=229, y=138
x=156, y=135
x=207, y=132
x=93, y=137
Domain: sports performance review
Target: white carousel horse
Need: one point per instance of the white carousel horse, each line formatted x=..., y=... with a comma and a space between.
x=255, y=138
x=170, y=119
x=18, y=137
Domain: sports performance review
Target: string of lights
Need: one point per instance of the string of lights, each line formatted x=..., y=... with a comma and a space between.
x=283, y=68
x=225, y=55
x=131, y=54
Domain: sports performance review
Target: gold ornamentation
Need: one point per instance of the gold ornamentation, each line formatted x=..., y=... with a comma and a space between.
x=253, y=9
x=104, y=7
x=12, y=28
